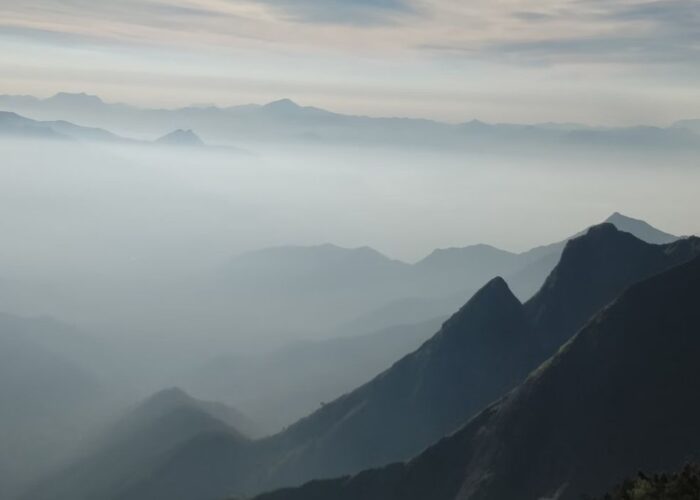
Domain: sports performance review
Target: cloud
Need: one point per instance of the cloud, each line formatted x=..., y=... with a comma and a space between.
x=589, y=31
x=353, y=12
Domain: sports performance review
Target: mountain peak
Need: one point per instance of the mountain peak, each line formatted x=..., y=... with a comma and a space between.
x=493, y=299
x=640, y=228
x=168, y=397
x=75, y=98
x=283, y=105
x=181, y=138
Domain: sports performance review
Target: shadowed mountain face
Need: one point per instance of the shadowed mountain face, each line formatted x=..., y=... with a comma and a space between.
x=621, y=396
x=421, y=397
x=478, y=355
x=593, y=270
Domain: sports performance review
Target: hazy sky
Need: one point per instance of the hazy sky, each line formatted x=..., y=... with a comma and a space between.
x=598, y=61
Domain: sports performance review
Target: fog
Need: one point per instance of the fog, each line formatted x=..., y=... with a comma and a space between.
x=152, y=253
x=136, y=241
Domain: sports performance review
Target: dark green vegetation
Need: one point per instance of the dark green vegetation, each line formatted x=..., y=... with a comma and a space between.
x=683, y=485
x=620, y=396
x=482, y=352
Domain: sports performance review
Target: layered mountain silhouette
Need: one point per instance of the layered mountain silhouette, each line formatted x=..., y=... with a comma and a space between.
x=17, y=126
x=367, y=291
x=285, y=120
x=482, y=352
x=621, y=396
x=142, y=438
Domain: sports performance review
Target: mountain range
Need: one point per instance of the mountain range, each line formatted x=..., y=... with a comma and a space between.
x=14, y=125
x=284, y=120
x=404, y=304
x=366, y=291
x=479, y=354
x=621, y=396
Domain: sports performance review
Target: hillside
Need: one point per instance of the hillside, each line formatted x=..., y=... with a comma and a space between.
x=579, y=423
x=478, y=355
x=137, y=443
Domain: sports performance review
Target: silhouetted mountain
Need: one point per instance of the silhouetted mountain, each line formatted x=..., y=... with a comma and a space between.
x=12, y=124
x=620, y=396
x=593, y=270
x=284, y=120
x=181, y=138
x=483, y=351
x=18, y=126
x=137, y=444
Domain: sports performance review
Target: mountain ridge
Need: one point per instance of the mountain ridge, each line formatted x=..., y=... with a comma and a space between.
x=284, y=120
x=492, y=457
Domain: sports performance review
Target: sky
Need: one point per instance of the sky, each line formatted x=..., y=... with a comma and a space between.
x=613, y=62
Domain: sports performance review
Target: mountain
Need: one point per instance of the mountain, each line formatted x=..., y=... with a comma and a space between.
x=620, y=396
x=593, y=270
x=285, y=121
x=50, y=393
x=360, y=290
x=483, y=350
x=142, y=439
x=641, y=229
x=14, y=125
x=181, y=138
x=478, y=355
x=326, y=282
x=690, y=124
x=284, y=385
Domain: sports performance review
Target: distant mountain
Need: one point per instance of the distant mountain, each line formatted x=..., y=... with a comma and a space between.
x=621, y=396
x=325, y=282
x=290, y=382
x=139, y=442
x=284, y=120
x=15, y=125
x=12, y=124
x=691, y=124
x=641, y=229
x=181, y=138
x=483, y=351
x=50, y=395
x=366, y=291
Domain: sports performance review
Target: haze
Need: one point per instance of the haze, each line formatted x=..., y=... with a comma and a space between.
x=247, y=244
